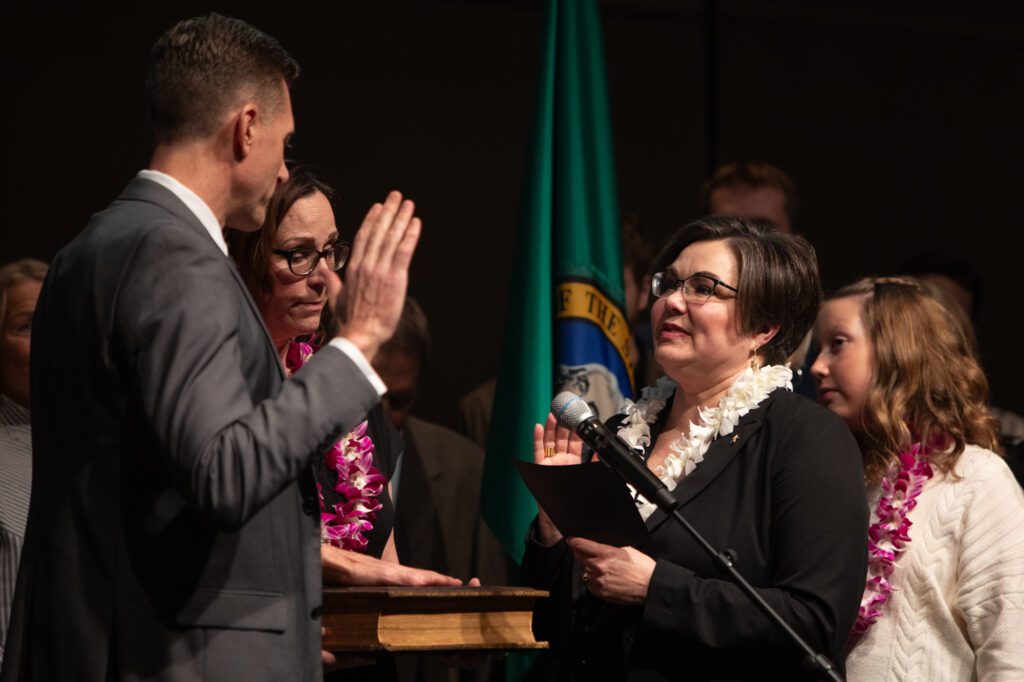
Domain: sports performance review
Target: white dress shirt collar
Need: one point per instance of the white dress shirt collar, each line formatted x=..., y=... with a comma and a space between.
x=192, y=202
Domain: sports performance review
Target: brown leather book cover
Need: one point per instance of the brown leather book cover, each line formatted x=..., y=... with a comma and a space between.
x=429, y=619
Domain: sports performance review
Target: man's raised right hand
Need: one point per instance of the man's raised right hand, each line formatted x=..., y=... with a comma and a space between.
x=369, y=304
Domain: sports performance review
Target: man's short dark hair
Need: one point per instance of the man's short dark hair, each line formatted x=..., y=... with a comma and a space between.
x=779, y=281
x=751, y=175
x=203, y=66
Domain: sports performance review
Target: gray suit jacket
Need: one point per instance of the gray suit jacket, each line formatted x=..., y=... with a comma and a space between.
x=173, y=532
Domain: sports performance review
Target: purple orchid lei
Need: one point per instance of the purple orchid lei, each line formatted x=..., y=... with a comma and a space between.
x=351, y=461
x=889, y=536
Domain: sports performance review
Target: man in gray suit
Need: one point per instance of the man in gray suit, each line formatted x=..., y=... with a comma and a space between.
x=174, y=527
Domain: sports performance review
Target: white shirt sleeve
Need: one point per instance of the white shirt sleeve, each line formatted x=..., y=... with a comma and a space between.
x=352, y=351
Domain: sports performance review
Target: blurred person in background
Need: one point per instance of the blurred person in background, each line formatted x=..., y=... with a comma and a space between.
x=952, y=281
x=960, y=288
x=20, y=283
x=637, y=255
x=759, y=191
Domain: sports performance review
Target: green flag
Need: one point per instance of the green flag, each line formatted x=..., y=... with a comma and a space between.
x=565, y=326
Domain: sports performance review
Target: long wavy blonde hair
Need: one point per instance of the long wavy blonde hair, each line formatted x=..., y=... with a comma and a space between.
x=927, y=385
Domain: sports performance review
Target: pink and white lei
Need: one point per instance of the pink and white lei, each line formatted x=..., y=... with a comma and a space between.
x=351, y=461
x=889, y=536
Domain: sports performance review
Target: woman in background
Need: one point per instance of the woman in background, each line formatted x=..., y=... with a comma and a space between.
x=286, y=265
x=944, y=596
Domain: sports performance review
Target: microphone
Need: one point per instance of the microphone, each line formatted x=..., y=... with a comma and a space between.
x=573, y=413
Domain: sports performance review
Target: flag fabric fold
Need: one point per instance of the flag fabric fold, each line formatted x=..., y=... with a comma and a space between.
x=565, y=326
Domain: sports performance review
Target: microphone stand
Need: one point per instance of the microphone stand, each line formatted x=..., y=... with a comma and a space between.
x=814, y=662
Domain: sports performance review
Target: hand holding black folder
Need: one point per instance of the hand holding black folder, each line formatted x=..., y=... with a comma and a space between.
x=587, y=501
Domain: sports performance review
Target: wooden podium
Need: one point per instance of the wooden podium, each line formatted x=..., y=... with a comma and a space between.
x=429, y=619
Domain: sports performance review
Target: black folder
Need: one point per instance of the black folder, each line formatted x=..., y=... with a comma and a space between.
x=586, y=501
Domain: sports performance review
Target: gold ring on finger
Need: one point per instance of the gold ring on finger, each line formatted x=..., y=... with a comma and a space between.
x=549, y=451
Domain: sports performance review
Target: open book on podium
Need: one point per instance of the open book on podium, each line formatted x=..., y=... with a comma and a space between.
x=429, y=619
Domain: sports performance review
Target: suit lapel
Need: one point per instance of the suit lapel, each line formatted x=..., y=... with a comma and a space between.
x=255, y=311
x=722, y=451
x=415, y=490
x=151, y=192
x=141, y=189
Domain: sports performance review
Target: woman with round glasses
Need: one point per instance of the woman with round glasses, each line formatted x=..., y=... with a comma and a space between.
x=756, y=469
x=944, y=594
x=286, y=266
x=286, y=263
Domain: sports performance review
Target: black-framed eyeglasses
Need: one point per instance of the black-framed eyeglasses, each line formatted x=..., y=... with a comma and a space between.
x=696, y=288
x=303, y=261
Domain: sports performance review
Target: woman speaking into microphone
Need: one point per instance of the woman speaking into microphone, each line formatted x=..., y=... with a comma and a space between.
x=755, y=468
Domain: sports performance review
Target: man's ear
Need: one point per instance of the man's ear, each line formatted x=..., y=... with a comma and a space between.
x=244, y=130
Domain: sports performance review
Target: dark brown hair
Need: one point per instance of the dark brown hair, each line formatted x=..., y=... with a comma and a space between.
x=202, y=66
x=927, y=385
x=751, y=175
x=779, y=282
x=251, y=250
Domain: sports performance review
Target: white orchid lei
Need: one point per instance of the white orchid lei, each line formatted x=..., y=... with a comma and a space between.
x=746, y=393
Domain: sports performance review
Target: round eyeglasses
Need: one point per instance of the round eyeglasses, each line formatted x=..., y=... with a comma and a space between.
x=303, y=261
x=696, y=288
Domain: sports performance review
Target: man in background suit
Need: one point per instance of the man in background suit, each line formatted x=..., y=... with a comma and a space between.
x=762, y=191
x=437, y=487
x=174, y=532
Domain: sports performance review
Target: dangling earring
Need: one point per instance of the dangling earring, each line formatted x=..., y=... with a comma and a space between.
x=754, y=364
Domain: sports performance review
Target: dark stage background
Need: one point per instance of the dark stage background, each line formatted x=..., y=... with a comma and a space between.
x=902, y=128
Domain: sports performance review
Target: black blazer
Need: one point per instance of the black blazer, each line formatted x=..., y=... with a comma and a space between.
x=173, y=532
x=784, y=490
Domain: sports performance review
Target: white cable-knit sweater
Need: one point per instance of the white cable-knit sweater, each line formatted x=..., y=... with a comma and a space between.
x=958, y=609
